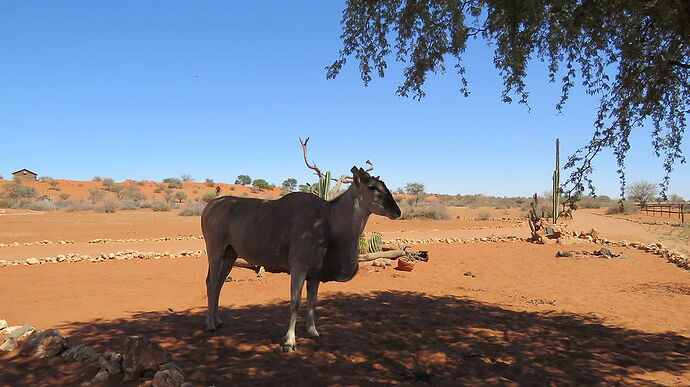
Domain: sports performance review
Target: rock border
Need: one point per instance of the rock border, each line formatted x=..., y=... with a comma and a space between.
x=141, y=357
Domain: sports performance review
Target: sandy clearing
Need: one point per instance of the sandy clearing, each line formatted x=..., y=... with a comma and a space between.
x=526, y=317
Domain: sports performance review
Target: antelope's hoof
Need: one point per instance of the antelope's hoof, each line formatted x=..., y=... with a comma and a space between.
x=289, y=348
x=313, y=333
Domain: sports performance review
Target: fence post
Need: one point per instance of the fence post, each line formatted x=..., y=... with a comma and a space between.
x=682, y=213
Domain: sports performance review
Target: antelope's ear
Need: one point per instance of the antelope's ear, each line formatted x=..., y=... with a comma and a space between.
x=356, y=176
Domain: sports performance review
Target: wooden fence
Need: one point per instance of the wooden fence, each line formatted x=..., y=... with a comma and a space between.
x=668, y=210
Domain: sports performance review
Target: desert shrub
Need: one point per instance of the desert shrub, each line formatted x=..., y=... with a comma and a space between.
x=398, y=199
x=426, y=210
x=18, y=191
x=108, y=206
x=140, y=182
x=255, y=189
x=64, y=196
x=193, y=209
x=133, y=193
x=144, y=204
x=97, y=178
x=42, y=205
x=187, y=178
x=208, y=196
x=675, y=198
x=161, y=206
x=625, y=207
x=231, y=188
x=95, y=195
x=483, y=215
x=480, y=200
x=45, y=179
x=118, y=190
x=210, y=182
x=244, y=194
x=108, y=183
x=173, y=182
x=21, y=203
x=129, y=205
x=195, y=191
x=6, y=203
x=180, y=196
x=78, y=206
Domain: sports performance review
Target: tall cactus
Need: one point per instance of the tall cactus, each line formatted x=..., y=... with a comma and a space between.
x=557, y=183
x=324, y=186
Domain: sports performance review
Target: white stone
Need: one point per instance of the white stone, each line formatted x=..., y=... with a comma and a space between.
x=32, y=261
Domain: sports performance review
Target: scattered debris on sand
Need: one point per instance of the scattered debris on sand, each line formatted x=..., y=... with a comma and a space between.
x=141, y=358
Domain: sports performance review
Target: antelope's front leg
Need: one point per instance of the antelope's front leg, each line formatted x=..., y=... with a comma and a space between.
x=312, y=290
x=296, y=285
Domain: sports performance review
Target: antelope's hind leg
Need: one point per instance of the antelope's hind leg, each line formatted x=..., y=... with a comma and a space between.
x=296, y=284
x=220, y=261
x=312, y=290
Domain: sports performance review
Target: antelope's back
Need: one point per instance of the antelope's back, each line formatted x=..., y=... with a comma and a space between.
x=263, y=231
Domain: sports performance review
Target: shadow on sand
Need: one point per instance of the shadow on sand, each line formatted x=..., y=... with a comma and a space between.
x=390, y=337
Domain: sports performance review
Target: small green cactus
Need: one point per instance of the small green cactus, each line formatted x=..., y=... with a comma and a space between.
x=375, y=242
x=363, y=244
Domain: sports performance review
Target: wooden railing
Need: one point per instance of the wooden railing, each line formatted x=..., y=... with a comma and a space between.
x=670, y=210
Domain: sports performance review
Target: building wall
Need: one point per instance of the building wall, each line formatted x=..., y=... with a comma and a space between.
x=24, y=176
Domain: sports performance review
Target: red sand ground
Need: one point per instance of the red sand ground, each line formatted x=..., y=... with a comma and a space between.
x=526, y=318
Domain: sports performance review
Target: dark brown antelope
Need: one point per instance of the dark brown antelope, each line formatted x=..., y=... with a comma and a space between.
x=311, y=238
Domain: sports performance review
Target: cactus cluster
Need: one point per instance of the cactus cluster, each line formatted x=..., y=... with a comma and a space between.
x=324, y=186
x=375, y=241
x=373, y=244
x=533, y=216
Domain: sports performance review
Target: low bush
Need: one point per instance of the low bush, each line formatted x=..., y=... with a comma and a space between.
x=42, y=205
x=483, y=215
x=625, y=208
x=129, y=205
x=78, y=206
x=426, y=210
x=22, y=203
x=208, y=196
x=193, y=209
x=108, y=206
x=173, y=182
x=161, y=206
x=6, y=203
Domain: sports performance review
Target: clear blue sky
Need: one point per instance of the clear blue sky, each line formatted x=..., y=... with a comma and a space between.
x=154, y=89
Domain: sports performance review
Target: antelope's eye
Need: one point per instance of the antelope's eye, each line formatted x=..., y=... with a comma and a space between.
x=372, y=187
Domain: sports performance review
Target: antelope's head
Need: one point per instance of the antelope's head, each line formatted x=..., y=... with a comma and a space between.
x=376, y=197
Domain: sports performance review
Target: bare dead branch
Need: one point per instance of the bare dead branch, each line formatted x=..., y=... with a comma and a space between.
x=390, y=254
x=313, y=166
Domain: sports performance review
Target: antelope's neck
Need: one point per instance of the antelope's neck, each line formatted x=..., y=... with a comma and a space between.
x=348, y=216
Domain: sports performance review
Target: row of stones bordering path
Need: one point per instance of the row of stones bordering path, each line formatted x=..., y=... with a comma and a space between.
x=563, y=237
